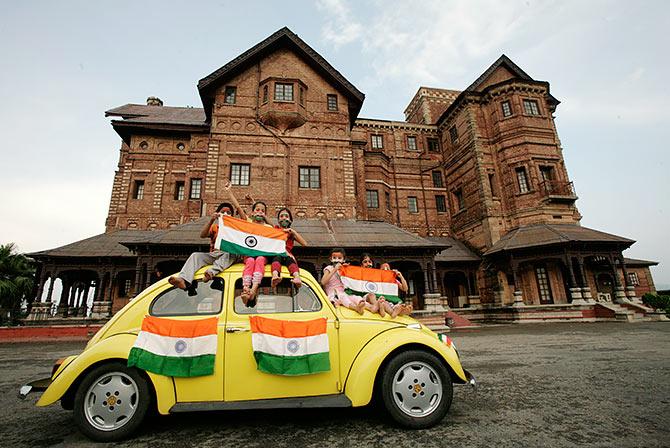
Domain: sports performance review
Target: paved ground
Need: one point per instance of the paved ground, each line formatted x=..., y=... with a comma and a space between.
x=551, y=385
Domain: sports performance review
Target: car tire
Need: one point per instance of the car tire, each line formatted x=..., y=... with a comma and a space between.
x=416, y=389
x=111, y=402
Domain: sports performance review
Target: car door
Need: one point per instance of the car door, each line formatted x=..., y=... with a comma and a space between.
x=243, y=380
x=174, y=303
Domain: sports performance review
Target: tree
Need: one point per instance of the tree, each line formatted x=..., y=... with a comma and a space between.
x=17, y=277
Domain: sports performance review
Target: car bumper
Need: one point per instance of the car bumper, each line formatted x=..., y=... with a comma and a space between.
x=34, y=386
x=471, y=378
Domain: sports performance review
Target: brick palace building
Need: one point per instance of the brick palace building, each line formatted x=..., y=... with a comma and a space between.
x=469, y=196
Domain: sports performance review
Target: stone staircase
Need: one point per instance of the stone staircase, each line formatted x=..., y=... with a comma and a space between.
x=632, y=312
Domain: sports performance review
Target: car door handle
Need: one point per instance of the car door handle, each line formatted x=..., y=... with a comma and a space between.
x=236, y=330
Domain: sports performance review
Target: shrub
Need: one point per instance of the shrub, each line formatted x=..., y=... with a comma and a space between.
x=657, y=302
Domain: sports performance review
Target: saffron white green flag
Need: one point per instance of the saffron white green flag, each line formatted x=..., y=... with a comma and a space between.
x=283, y=347
x=175, y=347
x=361, y=281
x=237, y=236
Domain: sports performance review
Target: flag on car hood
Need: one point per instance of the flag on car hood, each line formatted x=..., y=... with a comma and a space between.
x=237, y=236
x=361, y=281
x=283, y=347
x=175, y=347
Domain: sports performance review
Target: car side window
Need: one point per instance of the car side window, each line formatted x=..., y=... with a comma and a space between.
x=284, y=299
x=177, y=302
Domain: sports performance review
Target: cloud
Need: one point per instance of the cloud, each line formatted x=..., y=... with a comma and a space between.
x=426, y=44
x=341, y=29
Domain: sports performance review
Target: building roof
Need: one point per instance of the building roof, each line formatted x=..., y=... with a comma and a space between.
x=502, y=61
x=457, y=251
x=318, y=233
x=537, y=235
x=103, y=245
x=637, y=262
x=138, y=117
x=281, y=38
x=140, y=113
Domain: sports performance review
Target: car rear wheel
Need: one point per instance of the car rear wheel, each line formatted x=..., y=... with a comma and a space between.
x=416, y=389
x=111, y=402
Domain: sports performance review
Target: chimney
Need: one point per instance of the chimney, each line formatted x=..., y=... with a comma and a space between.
x=154, y=101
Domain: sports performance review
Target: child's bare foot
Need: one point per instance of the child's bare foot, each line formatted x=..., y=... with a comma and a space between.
x=297, y=281
x=381, y=310
x=208, y=276
x=360, y=307
x=396, y=311
x=254, y=290
x=177, y=281
x=246, y=294
x=276, y=279
x=408, y=308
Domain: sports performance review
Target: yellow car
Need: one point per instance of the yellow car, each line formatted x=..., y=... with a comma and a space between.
x=410, y=367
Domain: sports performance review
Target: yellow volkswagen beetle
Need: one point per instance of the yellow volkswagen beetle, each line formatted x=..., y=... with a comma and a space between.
x=410, y=367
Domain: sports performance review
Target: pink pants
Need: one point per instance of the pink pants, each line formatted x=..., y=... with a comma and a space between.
x=346, y=299
x=292, y=266
x=254, y=268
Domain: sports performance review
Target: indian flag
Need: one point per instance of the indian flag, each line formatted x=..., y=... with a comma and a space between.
x=361, y=281
x=283, y=347
x=237, y=236
x=175, y=347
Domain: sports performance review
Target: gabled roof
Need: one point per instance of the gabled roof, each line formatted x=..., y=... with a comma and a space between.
x=281, y=38
x=502, y=61
x=456, y=252
x=540, y=235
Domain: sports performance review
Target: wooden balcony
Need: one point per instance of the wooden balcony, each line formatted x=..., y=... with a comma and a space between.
x=557, y=191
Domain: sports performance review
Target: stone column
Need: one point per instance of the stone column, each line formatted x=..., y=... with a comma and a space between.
x=619, y=292
x=433, y=272
x=64, y=297
x=110, y=290
x=586, y=291
x=50, y=291
x=473, y=293
x=518, y=294
x=630, y=288
x=575, y=291
x=101, y=308
x=138, y=277
x=40, y=310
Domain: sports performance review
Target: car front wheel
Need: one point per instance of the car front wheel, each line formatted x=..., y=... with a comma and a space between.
x=416, y=389
x=111, y=402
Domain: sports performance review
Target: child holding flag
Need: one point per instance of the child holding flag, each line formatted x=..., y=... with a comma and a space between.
x=333, y=286
x=401, y=308
x=219, y=259
x=284, y=220
x=254, y=267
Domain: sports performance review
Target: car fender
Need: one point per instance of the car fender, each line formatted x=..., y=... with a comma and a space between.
x=114, y=347
x=360, y=380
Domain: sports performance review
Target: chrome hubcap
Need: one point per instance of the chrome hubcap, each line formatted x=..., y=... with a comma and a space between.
x=111, y=401
x=417, y=389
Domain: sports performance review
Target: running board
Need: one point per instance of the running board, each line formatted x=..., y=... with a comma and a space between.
x=323, y=401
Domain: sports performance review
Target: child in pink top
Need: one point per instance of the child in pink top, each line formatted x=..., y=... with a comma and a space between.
x=334, y=288
x=254, y=267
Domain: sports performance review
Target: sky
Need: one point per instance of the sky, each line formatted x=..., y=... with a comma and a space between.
x=66, y=62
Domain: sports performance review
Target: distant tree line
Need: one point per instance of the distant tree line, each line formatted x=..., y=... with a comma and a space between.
x=17, y=280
